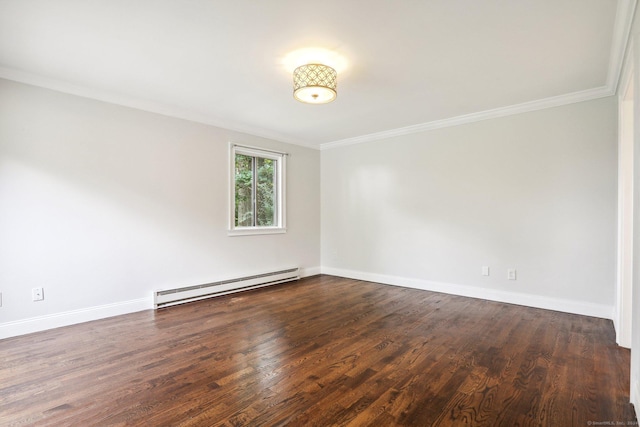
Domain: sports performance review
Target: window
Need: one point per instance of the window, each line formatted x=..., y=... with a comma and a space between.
x=257, y=191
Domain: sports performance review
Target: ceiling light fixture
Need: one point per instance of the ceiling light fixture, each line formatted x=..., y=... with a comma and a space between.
x=315, y=84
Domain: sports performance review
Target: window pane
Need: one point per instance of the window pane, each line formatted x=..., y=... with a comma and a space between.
x=257, y=178
x=244, y=184
x=265, y=192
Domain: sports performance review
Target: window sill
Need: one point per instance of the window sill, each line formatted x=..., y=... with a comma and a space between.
x=255, y=231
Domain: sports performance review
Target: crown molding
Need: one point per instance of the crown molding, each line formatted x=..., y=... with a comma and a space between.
x=144, y=105
x=620, y=40
x=556, y=101
x=170, y=111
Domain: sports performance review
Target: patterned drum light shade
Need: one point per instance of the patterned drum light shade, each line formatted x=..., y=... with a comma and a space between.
x=315, y=84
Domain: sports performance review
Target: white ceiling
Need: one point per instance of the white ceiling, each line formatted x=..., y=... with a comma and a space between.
x=411, y=64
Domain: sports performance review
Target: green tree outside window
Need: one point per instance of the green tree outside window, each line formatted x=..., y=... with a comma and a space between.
x=255, y=191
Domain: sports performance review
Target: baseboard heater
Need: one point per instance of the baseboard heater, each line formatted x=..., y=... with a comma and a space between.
x=169, y=297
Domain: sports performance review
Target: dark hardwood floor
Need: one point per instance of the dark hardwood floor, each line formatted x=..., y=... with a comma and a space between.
x=322, y=351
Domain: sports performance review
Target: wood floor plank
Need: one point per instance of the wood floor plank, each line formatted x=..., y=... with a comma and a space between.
x=318, y=352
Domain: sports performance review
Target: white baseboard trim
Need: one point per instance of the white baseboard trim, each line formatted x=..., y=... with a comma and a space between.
x=536, y=301
x=623, y=335
x=310, y=271
x=66, y=318
x=56, y=320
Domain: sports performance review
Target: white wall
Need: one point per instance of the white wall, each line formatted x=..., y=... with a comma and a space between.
x=101, y=204
x=534, y=191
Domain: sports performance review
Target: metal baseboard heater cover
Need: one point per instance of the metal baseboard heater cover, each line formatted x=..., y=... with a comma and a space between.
x=169, y=297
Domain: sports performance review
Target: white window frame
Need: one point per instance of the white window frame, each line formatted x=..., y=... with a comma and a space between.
x=280, y=203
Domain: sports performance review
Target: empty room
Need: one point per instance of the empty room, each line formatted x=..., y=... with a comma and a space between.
x=338, y=213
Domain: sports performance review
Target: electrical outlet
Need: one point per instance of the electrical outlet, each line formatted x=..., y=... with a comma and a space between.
x=485, y=270
x=37, y=294
x=511, y=274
